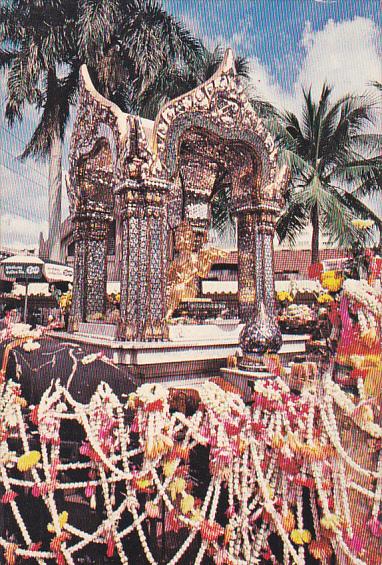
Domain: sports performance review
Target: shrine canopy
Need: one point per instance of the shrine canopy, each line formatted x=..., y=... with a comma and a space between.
x=154, y=178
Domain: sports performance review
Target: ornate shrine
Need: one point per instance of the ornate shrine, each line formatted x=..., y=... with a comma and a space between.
x=155, y=178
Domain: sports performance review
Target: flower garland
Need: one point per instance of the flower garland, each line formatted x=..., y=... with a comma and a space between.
x=261, y=456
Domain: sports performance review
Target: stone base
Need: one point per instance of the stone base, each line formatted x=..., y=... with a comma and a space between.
x=98, y=329
x=252, y=363
x=174, y=361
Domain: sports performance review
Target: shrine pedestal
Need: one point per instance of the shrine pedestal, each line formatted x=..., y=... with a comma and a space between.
x=176, y=361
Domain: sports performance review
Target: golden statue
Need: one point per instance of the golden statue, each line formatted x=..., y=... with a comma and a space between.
x=187, y=267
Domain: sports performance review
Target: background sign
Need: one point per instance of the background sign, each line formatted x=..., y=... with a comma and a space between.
x=55, y=272
x=20, y=271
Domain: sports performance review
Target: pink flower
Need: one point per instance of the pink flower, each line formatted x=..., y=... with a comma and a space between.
x=89, y=490
x=134, y=426
x=354, y=544
x=210, y=531
x=230, y=511
x=110, y=546
x=8, y=496
x=231, y=429
x=375, y=527
x=172, y=522
x=36, y=492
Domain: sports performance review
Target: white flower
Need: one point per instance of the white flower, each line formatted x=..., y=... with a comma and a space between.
x=21, y=330
x=89, y=358
x=31, y=345
x=150, y=392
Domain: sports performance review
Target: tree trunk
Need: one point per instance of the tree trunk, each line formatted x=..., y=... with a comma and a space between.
x=315, y=256
x=55, y=194
x=379, y=248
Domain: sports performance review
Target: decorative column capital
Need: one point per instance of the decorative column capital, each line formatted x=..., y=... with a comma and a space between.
x=266, y=215
x=91, y=225
x=141, y=198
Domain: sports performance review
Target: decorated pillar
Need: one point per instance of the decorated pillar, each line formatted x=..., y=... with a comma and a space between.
x=90, y=265
x=144, y=258
x=246, y=226
x=262, y=334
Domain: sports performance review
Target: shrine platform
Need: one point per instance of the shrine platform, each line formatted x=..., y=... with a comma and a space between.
x=178, y=359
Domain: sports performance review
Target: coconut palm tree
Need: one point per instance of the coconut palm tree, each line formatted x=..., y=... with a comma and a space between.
x=329, y=150
x=126, y=44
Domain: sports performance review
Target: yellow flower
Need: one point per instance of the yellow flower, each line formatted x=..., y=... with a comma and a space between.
x=277, y=440
x=62, y=519
x=28, y=460
x=177, y=486
x=332, y=280
x=284, y=296
x=331, y=522
x=196, y=515
x=362, y=224
x=187, y=503
x=369, y=335
x=132, y=400
x=271, y=492
x=143, y=483
x=169, y=468
x=325, y=298
x=300, y=537
x=357, y=361
x=227, y=534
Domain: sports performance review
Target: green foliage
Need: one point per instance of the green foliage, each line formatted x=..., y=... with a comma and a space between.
x=126, y=44
x=334, y=162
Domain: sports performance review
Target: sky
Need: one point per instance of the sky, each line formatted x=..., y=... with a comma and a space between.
x=290, y=44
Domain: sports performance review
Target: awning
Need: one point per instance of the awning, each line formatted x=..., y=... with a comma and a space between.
x=57, y=273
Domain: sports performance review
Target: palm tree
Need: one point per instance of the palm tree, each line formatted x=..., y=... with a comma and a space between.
x=126, y=44
x=328, y=150
x=39, y=41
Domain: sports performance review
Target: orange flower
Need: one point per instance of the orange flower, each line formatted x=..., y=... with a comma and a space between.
x=320, y=549
x=10, y=554
x=179, y=452
x=288, y=521
x=227, y=534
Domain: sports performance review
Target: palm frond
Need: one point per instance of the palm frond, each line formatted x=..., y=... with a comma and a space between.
x=96, y=25
x=22, y=77
x=59, y=95
x=292, y=222
x=6, y=58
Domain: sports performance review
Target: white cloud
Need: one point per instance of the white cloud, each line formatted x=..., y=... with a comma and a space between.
x=344, y=54
x=267, y=88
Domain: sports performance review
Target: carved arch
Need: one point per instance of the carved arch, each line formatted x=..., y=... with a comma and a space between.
x=221, y=109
